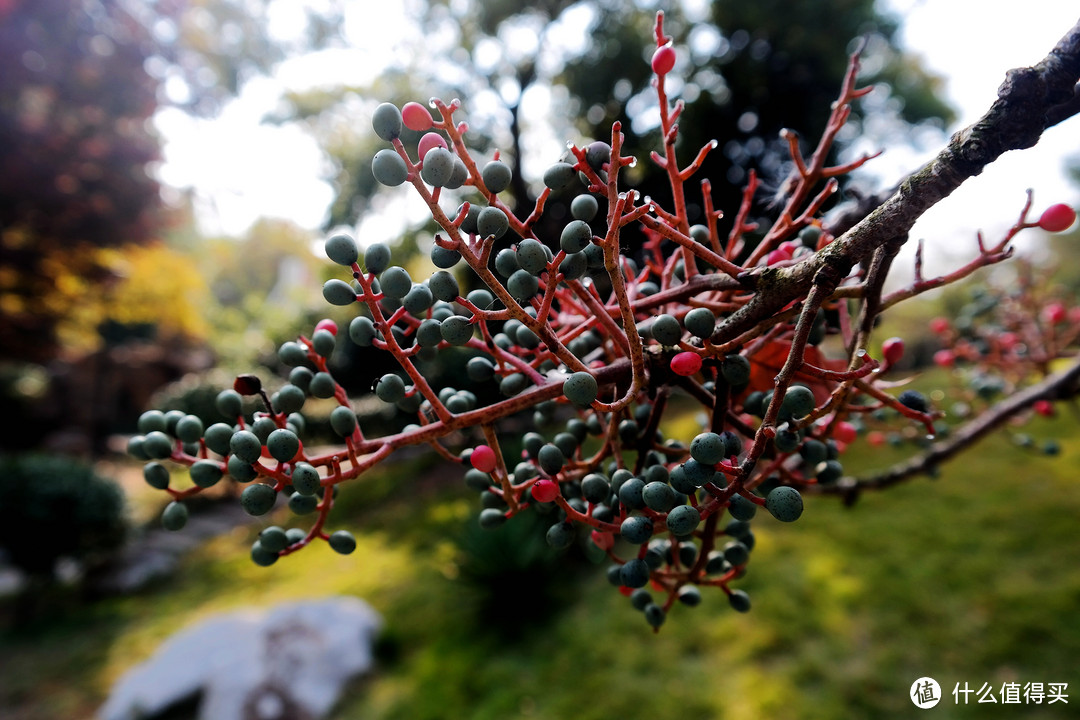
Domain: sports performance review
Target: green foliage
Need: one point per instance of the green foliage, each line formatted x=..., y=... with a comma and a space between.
x=53, y=507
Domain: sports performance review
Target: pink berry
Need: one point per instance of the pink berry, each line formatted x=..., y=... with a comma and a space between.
x=603, y=540
x=844, y=432
x=545, y=490
x=1055, y=313
x=778, y=255
x=892, y=350
x=1057, y=218
x=327, y=324
x=875, y=438
x=416, y=117
x=939, y=325
x=1008, y=340
x=686, y=363
x=663, y=60
x=944, y=358
x=1044, y=408
x=483, y=458
x=427, y=142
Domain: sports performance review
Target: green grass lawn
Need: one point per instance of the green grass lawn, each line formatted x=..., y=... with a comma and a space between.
x=973, y=577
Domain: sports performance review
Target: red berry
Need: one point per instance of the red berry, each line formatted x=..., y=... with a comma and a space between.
x=545, y=490
x=1055, y=313
x=1044, y=408
x=327, y=324
x=875, y=438
x=483, y=458
x=844, y=432
x=428, y=141
x=247, y=384
x=892, y=350
x=945, y=358
x=686, y=363
x=663, y=60
x=416, y=117
x=778, y=256
x=1008, y=340
x=939, y=325
x=1057, y=218
x=603, y=540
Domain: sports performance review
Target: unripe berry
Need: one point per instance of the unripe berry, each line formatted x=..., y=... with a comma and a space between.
x=388, y=168
x=892, y=350
x=342, y=250
x=175, y=516
x=580, y=389
x=342, y=542
x=416, y=117
x=784, y=503
x=663, y=60
x=1057, y=218
x=386, y=121
x=483, y=458
x=496, y=175
x=258, y=499
x=686, y=363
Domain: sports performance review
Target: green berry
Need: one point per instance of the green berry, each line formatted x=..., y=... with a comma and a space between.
x=305, y=479
x=322, y=385
x=395, y=282
x=150, y=421
x=443, y=286
x=914, y=400
x=630, y=493
x=377, y=257
x=342, y=250
x=741, y=508
x=634, y=574
x=736, y=370
x=581, y=389
x=597, y=154
x=496, y=175
x=666, y=330
x=595, y=488
x=784, y=503
x=283, y=445
x=560, y=535
x=658, y=496
x=257, y=499
x=157, y=445
x=444, y=258
x=262, y=556
x=388, y=168
x=584, y=207
x=492, y=221
x=682, y=520
x=700, y=322
x=456, y=330
x=338, y=292
x=386, y=121
x=574, y=265
x=390, y=388
x=739, y=600
x=323, y=342
x=206, y=473
x=491, y=518
x=522, y=285
x=303, y=504
x=636, y=529
x=506, y=262
x=576, y=236
x=798, y=402
x=342, y=542
x=290, y=398
x=559, y=175
x=156, y=475
x=245, y=445
x=175, y=516
x=551, y=459
x=273, y=539
x=708, y=448
x=532, y=256
x=417, y=300
x=438, y=166
x=736, y=553
x=241, y=471
x=343, y=421
x=655, y=615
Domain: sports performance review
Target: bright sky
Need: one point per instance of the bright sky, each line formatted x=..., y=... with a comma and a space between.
x=241, y=169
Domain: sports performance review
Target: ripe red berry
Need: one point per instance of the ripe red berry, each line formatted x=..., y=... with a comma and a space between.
x=1044, y=408
x=327, y=324
x=427, y=142
x=1057, y=218
x=876, y=438
x=663, y=60
x=686, y=363
x=1055, y=313
x=939, y=325
x=844, y=432
x=483, y=458
x=247, y=384
x=944, y=358
x=545, y=490
x=892, y=350
x=416, y=117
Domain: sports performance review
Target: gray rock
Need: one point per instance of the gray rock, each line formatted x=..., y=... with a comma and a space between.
x=287, y=662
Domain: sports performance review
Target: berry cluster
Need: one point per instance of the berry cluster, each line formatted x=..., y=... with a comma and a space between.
x=602, y=333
